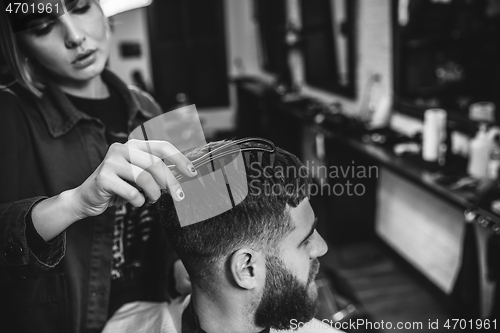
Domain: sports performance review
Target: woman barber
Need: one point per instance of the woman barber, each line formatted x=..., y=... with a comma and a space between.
x=78, y=230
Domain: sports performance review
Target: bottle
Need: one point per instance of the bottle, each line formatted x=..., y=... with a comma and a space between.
x=480, y=151
x=494, y=163
x=433, y=134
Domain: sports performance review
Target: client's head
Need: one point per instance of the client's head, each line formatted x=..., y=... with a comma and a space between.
x=263, y=252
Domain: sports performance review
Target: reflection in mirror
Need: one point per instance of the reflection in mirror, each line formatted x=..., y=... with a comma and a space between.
x=340, y=41
x=328, y=40
x=446, y=54
x=272, y=21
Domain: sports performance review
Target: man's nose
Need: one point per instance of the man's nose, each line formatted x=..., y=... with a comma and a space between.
x=320, y=247
x=74, y=37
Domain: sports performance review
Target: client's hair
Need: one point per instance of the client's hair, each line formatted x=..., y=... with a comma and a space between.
x=260, y=220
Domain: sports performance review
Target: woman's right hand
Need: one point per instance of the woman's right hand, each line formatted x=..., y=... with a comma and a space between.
x=127, y=168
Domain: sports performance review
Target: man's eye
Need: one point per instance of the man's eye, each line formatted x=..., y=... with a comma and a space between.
x=308, y=239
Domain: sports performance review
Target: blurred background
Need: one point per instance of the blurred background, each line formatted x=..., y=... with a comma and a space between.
x=358, y=89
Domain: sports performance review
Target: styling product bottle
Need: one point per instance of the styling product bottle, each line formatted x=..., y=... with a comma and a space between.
x=434, y=134
x=480, y=151
x=494, y=163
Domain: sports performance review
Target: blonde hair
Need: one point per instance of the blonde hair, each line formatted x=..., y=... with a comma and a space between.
x=23, y=72
x=28, y=74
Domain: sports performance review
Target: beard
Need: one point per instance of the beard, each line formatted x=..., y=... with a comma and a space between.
x=284, y=297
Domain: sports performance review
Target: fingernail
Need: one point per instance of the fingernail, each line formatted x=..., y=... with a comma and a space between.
x=192, y=169
x=180, y=194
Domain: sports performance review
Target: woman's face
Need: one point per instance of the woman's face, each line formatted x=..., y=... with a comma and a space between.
x=73, y=47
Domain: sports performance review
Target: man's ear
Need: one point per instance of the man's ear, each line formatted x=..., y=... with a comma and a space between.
x=247, y=267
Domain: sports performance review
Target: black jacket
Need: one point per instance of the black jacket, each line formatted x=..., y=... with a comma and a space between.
x=47, y=146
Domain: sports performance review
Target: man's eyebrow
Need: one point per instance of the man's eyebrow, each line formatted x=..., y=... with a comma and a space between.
x=313, y=227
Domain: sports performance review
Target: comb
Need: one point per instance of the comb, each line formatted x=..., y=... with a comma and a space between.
x=259, y=145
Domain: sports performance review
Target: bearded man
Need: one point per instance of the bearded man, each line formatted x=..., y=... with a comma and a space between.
x=253, y=266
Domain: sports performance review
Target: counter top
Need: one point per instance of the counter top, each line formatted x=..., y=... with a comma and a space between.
x=338, y=127
x=405, y=168
x=412, y=168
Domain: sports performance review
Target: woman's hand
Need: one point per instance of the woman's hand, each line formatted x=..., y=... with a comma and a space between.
x=132, y=172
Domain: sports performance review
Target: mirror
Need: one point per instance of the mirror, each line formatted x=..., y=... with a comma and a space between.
x=328, y=44
x=446, y=55
x=272, y=23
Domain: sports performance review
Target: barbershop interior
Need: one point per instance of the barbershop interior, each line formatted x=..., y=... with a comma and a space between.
x=392, y=107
